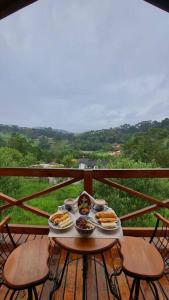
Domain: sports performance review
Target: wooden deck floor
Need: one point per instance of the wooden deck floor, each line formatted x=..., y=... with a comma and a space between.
x=97, y=287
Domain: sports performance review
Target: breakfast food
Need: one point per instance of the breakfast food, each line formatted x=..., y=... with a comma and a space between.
x=56, y=215
x=83, y=223
x=107, y=219
x=106, y=214
x=65, y=223
x=84, y=204
x=61, y=219
x=109, y=225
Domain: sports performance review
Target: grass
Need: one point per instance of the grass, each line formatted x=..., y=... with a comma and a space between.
x=48, y=203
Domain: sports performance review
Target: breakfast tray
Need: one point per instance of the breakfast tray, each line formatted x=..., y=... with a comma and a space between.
x=97, y=233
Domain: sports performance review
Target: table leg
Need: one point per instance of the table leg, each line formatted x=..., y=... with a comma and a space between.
x=112, y=285
x=85, y=268
x=137, y=289
x=57, y=282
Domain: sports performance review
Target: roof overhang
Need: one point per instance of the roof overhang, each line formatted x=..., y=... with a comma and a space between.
x=163, y=4
x=8, y=7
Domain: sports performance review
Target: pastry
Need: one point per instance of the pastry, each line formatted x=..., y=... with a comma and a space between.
x=57, y=214
x=107, y=220
x=106, y=214
x=109, y=225
x=65, y=223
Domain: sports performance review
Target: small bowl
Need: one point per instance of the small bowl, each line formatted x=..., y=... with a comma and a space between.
x=84, y=230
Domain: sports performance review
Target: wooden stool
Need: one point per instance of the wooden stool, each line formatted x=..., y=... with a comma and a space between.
x=27, y=266
x=142, y=261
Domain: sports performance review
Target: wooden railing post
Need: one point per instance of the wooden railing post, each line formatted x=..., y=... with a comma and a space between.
x=88, y=185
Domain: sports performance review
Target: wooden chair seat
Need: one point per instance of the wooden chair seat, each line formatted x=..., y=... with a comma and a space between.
x=27, y=265
x=141, y=259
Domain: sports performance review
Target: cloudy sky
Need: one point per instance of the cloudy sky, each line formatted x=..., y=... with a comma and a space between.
x=79, y=65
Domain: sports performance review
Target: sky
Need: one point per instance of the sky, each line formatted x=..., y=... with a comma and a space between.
x=84, y=65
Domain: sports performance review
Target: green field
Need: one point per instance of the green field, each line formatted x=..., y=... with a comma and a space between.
x=47, y=203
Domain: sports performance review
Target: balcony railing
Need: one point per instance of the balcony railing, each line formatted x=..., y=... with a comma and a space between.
x=71, y=176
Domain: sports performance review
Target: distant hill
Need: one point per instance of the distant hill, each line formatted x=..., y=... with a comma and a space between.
x=105, y=138
x=91, y=140
x=35, y=133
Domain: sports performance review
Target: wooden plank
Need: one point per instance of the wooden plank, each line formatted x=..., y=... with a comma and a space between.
x=39, y=172
x=131, y=173
x=92, y=289
x=88, y=185
x=76, y=173
x=71, y=280
x=112, y=259
x=38, y=229
x=102, y=288
x=29, y=229
x=79, y=282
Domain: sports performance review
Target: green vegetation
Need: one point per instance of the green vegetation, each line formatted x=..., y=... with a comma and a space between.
x=144, y=145
x=47, y=203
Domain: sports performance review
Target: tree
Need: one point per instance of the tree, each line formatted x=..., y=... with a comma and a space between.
x=10, y=158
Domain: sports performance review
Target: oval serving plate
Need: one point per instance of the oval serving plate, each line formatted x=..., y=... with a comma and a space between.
x=56, y=227
x=110, y=229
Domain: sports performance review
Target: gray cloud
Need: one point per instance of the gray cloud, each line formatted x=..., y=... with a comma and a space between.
x=83, y=65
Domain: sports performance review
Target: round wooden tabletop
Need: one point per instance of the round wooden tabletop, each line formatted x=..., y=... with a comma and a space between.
x=85, y=245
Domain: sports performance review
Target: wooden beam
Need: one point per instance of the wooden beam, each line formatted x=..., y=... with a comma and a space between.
x=39, y=172
x=163, y=4
x=37, y=229
x=131, y=173
x=8, y=7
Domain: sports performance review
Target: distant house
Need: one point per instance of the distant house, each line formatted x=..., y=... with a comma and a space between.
x=82, y=166
x=86, y=163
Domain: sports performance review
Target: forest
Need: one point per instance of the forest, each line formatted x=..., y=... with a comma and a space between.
x=144, y=145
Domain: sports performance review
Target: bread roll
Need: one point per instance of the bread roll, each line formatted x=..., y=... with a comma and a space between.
x=109, y=225
x=65, y=223
x=65, y=216
x=106, y=214
x=57, y=215
x=56, y=221
x=107, y=220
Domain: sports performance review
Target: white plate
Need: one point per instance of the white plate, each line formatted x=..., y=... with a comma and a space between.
x=56, y=227
x=110, y=229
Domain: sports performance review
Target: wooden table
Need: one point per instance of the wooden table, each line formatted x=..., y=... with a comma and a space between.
x=85, y=247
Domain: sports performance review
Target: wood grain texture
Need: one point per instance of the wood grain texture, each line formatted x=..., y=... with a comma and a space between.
x=28, y=264
x=86, y=245
x=112, y=259
x=141, y=259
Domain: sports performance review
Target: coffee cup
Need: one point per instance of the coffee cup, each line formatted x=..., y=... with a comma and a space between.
x=70, y=204
x=99, y=204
